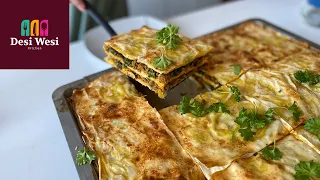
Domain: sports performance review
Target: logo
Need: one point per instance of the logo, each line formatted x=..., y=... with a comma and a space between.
x=34, y=34
x=34, y=28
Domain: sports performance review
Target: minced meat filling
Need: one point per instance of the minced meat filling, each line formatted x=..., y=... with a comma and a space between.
x=210, y=78
x=151, y=73
x=213, y=79
x=151, y=83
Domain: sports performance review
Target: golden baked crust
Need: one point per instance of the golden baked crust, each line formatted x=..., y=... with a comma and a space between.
x=277, y=43
x=141, y=46
x=214, y=139
x=260, y=90
x=277, y=90
x=127, y=135
x=304, y=60
x=310, y=139
x=256, y=167
x=251, y=46
x=220, y=66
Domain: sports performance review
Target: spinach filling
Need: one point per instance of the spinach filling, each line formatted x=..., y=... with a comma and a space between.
x=119, y=64
x=201, y=72
x=116, y=53
x=151, y=73
x=142, y=67
x=127, y=62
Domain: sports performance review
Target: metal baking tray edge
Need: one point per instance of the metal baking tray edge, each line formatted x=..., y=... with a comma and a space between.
x=68, y=119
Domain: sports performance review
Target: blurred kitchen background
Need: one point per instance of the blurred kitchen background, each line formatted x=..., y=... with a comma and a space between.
x=113, y=9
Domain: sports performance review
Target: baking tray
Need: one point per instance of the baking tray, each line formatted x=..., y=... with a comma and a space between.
x=69, y=121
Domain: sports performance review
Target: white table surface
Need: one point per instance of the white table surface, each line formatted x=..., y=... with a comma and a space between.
x=32, y=143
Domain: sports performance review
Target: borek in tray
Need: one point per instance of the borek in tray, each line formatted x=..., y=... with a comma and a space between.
x=127, y=135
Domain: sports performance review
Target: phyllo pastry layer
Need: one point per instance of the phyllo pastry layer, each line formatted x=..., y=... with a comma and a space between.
x=249, y=46
x=220, y=68
x=127, y=135
x=141, y=53
x=262, y=106
x=297, y=161
x=216, y=138
x=305, y=60
x=291, y=101
x=309, y=133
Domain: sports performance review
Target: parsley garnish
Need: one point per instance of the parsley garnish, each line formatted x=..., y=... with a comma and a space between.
x=218, y=107
x=85, y=157
x=296, y=112
x=161, y=62
x=271, y=153
x=268, y=117
x=184, y=105
x=235, y=91
x=313, y=126
x=168, y=36
x=307, y=170
x=307, y=77
x=250, y=120
x=236, y=69
x=196, y=108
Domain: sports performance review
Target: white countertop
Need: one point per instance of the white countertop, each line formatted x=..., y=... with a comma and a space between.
x=33, y=145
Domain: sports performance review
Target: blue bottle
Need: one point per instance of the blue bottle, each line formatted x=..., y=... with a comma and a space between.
x=311, y=12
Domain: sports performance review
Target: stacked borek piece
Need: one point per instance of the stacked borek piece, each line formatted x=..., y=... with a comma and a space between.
x=157, y=59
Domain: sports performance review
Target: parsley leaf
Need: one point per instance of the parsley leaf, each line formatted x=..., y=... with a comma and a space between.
x=196, y=108
x=271, y=153
x=242, y=118
x=302, y=77
x=184, y=105
x=161, y=62
x=168, y=36
x=247, y=133
x=218, y=107
x=296, y=112
x=85, y=157
x=236, y=69
x=307, y=77
x=313, y=126
x=305, y=170
x=269, y=116
x=235, y=91
x=244, y=121
x=250, y=120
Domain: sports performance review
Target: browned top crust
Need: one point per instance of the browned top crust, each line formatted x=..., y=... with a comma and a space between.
x=141, y=45
x=127, y=134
